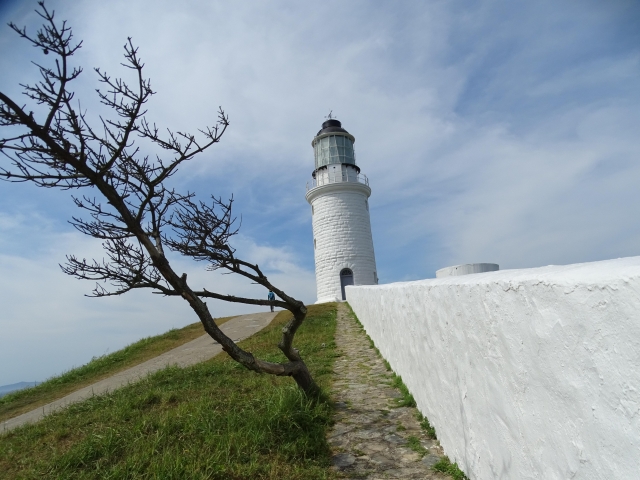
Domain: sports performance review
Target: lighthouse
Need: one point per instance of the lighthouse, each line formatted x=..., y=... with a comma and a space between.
x=339, y=199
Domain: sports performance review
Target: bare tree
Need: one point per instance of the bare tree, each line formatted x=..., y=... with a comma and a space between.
x=134, y=213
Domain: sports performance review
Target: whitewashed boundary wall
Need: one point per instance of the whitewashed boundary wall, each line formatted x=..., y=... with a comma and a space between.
x=525, y=374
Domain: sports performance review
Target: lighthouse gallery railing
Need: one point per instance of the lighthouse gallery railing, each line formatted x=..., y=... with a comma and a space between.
x=327, y=178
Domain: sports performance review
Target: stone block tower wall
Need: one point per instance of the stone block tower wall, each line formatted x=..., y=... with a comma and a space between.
x=341, y=224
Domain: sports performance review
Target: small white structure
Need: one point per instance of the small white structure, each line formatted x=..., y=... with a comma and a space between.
x=467, y=269
x=343, y=245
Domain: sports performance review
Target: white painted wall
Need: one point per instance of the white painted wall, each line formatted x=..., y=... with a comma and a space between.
x=525, y=374
x=342, y=236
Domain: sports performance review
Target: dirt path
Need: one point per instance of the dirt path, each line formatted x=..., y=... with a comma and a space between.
x=371, y=439
x=195, y=351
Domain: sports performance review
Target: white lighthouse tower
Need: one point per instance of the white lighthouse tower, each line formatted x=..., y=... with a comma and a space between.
x=342, y=241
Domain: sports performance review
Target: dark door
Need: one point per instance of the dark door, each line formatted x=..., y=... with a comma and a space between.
x=346, y=278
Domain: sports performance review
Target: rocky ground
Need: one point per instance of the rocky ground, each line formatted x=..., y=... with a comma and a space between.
x=373, y=438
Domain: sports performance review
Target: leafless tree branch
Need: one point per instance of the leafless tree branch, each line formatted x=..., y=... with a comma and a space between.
x=129, y=205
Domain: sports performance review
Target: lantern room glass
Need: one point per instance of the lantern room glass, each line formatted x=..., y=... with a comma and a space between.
x=334, y=149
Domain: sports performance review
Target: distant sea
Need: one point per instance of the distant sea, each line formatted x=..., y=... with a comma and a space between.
x=4, y=389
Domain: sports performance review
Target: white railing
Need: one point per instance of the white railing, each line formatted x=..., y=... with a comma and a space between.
x=327, y=178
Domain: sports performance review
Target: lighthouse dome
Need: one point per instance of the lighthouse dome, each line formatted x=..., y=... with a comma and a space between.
x=330, y=126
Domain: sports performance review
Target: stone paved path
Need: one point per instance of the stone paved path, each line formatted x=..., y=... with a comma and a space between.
x=371, y=438
x=195, y=351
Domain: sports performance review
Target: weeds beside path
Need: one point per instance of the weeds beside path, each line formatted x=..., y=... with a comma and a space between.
x=378, y=432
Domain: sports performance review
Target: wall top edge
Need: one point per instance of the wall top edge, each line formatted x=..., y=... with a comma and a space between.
x=602, y=271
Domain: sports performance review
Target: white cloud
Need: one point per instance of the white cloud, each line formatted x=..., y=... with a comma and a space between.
x=496, y=131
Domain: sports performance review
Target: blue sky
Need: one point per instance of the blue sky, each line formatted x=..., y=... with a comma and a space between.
x=491, y=131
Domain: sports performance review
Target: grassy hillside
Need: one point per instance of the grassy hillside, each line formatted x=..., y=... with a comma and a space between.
x=215, y=420
x=22, y=401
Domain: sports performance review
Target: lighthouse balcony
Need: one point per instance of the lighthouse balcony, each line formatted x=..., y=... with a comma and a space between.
x=329, y=177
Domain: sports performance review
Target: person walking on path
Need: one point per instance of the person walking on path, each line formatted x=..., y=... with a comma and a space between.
x=271, y=297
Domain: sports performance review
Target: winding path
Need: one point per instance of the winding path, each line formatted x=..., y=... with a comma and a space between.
x=190, y=353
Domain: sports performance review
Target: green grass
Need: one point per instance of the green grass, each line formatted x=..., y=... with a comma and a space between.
x=22, y=401
x=445, y=466
x=215, y=420
x=414, y=444
x=406, y=399
x=426, y=426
